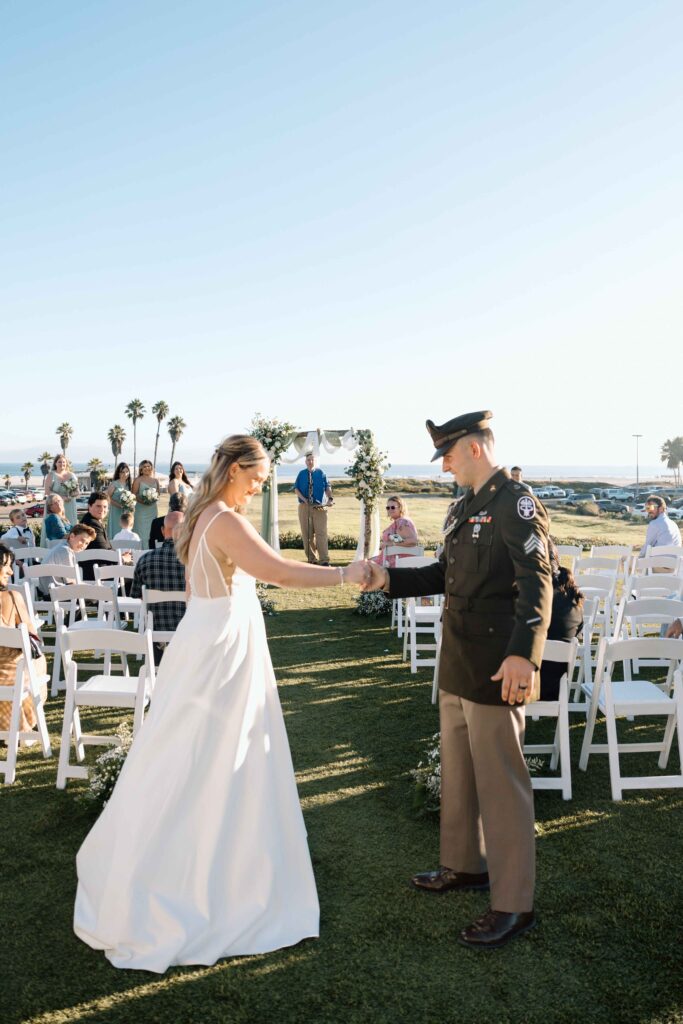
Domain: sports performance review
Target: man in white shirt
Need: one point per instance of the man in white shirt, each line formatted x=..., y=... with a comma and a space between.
x=661, y=531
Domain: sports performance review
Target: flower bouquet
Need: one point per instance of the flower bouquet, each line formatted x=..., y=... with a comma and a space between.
x=427, y=775
x=104, y=774
x=374, y=603
x=148, y=495
x=69, y=488
x=367, y=472
x=126, y=500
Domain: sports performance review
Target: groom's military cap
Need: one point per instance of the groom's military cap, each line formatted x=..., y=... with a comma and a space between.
x=445, y=436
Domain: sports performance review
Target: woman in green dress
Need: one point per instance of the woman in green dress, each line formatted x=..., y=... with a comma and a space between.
x=116, y=491
x=146, y=489
x=63, y=481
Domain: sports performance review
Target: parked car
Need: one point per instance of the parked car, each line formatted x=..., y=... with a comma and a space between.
x=610, y=505
x=619, y=493
x=82, y=503
x=35, y=511
x=551, y=492
x=675, y=513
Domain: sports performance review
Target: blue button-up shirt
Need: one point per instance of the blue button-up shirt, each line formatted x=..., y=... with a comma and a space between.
x=320, y=485
x=660, y=533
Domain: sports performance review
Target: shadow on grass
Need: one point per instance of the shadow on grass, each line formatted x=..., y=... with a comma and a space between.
x=606, y=948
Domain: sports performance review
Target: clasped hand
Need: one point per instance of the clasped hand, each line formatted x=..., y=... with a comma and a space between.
x=365, y=574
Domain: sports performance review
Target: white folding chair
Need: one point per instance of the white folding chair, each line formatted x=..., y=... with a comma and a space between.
x=569, y=553
x=154, y=597
x=563, y=653
x=669, y=551
x=46, y=576
x=656, y=585
x=126, y=545
x=27, y=556
x=585, y=654
x=67, y=601
x=137, y=555
x=107, y=691
x=621, y=553
x=397, y=607
x=631, y=698
x=604, y=588
x=421, y=622
x=98, y=555
x=16, y=638
x=114, y=576
x=596, y=566
x=655, y=564
x=647, y=616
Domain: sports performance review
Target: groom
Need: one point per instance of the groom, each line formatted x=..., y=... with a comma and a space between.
x=495, y=574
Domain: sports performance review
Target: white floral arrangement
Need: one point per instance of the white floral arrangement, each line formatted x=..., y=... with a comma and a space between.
x=104, y=774
x=275, y=435
x=148, y=495
x=69, y=488
x=126, y=500
x=374, y=603
x=427, y=775
x=367, y=469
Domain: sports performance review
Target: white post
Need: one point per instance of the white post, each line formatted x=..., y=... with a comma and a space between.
x=274, y=539
x=374, y=533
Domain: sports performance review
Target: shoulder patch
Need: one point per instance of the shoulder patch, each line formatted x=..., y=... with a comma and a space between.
x=526, y=507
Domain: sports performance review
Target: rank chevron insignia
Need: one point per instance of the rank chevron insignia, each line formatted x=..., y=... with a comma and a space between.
x=534, y=543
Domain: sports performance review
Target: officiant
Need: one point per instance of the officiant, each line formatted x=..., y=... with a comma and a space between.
x=314, y=495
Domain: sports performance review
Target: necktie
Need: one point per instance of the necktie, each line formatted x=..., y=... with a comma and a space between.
x=310, y=487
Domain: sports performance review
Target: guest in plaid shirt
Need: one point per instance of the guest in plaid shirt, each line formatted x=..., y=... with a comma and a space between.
x=161, y=569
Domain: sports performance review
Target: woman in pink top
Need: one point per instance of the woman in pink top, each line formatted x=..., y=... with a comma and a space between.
x=400, y=530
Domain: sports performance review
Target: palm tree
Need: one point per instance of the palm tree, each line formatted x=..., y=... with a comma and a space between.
x=160, y=410
x=176, y=425
x=117, y=436
x=45, y=459
x=96, y=467
x=26, y=470
x=672, y=454
x=64, y=432
x=135, y=410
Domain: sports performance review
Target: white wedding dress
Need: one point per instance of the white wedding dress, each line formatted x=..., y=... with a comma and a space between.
x=201, y=851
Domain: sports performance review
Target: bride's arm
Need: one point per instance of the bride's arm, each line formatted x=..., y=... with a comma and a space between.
x=237, y=539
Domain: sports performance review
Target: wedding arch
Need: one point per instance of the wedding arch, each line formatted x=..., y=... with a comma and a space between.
x=285, y=444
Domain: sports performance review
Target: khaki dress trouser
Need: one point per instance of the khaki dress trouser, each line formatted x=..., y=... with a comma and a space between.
x=313, y=523
x=487, y=803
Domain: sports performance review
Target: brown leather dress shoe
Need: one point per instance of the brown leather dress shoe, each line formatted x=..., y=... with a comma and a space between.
x=496, y=928
x=446, y=880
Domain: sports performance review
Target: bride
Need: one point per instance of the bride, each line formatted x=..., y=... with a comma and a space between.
x=201, y=851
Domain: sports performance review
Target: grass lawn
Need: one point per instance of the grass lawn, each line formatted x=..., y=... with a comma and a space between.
x=607, y=948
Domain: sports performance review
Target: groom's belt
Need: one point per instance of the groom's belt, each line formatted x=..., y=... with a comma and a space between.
x=480, y=605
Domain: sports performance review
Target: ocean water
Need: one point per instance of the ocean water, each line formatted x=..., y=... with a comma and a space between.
x=430, y=471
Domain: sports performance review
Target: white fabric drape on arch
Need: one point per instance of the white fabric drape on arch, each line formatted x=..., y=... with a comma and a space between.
x=313, y=441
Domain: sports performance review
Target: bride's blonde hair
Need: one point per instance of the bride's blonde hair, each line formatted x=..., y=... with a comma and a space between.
x=240, y=448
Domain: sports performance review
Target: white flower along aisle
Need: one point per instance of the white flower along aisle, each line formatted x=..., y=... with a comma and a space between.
x=367, y=470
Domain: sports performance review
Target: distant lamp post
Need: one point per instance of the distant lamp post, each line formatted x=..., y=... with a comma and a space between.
x=637, y=437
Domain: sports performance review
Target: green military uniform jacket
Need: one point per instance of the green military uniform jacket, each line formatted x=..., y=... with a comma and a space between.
x=495, y=574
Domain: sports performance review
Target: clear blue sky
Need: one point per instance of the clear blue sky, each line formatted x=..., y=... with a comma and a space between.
x=344, y=214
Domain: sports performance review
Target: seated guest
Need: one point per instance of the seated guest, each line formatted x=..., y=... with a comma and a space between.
x=56, y=525
x=161, y=569
x=400, y=530
x=65, y=554
x=661, y=531
x=178, y=503
x=126, y=532
x=19, y=530
x=13, y=611
x=566, y=622
x=96, y=517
